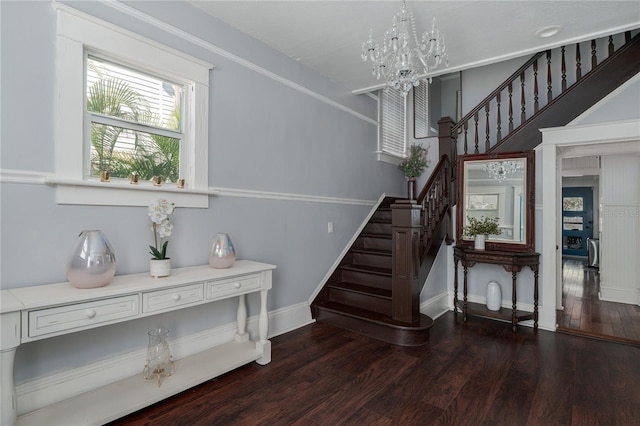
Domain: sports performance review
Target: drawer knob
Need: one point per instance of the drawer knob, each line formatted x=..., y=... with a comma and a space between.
x=237, y=285
x=176, y=297
x=91, y=313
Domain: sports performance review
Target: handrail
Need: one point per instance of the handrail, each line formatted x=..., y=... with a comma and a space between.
x=492, y=95
x=484, y=127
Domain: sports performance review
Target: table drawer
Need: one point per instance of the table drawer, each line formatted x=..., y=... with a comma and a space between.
x=155, y=301
x=238, y=285
x=81, y=315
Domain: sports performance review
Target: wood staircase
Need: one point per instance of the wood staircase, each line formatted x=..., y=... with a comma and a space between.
x=376, y=288
x=357, y=296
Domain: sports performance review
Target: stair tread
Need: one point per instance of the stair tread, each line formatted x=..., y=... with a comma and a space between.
x=368, y=269
x=378, y=252
x=376, y=235
x=424, y=322
x=363, y=289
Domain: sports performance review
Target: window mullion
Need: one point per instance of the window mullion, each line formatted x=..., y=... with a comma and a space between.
x=111, y=121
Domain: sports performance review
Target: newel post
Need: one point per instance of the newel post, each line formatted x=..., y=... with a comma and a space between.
x=447, y=146
x=405, y=291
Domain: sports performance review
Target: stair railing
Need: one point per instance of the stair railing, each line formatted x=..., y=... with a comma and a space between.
x=417, y=225
x=522, y=95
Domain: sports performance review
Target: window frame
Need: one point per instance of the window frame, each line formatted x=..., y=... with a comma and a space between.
x=78, y=35
x=384, y=154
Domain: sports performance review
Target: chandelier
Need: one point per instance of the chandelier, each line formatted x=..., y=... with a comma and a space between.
x=501, y=170
x=396, y=60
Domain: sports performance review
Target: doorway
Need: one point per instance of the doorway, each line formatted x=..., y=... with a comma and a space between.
x=577, y=220
x=585, y=314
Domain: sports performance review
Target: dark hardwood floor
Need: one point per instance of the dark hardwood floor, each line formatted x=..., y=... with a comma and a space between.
x=478, y=373
x=585, y=314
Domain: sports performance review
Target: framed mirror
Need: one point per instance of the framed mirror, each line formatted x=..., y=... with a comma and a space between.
x=497, y=186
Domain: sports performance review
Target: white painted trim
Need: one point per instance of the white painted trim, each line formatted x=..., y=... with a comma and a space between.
x=232, y=57
x=606, y=138
x=436, y=306
x=43, y=178
x=618, y=295
x=78, y=33
x=345, y=250
x=47, y=390
x=245, y=193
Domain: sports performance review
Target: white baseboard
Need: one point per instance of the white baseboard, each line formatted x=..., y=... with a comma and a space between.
x=436, y=306
x=60, y=386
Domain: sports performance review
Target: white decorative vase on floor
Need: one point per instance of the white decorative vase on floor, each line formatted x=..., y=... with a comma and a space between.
x=160, y=268
x=479, y=241
x=494, y=296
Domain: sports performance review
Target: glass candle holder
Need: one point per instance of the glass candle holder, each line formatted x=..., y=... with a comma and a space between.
x=159, y=361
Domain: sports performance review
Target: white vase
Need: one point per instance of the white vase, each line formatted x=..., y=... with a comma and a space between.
x=479, y=241
x=222, y=254
x=160, y=268
x=92, y=262
x=494, y=296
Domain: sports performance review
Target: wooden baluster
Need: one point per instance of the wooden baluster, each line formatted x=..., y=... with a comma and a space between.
x=594, y=59
x=466, y=130
x=523, y=115
x=510, y=107
x=475, y=118
x=611, y=48
x=578, y=65
x=564, y=71
x=549, y=82
x=535, y=86
x=498, y=120
x=487, y=144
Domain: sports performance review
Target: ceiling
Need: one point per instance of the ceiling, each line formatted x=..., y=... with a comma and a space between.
x=327, y=35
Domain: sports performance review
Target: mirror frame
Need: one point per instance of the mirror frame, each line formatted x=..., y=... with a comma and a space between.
x=529, y=208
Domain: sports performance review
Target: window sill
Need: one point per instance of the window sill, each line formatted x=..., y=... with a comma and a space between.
x=94, y=192
x=389, y=158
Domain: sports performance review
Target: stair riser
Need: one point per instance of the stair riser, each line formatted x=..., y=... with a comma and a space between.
x=359, y=300
x=372, y=280
x=371, y=260
x=374, y=330
x=382, y=215
x=377, y=228
x=374, y=243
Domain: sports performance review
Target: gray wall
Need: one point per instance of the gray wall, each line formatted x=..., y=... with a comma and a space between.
x=263, y=136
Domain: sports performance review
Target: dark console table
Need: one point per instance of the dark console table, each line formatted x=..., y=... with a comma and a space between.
x=512, y=262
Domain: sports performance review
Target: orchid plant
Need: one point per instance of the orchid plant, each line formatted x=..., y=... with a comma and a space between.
x=159, y=213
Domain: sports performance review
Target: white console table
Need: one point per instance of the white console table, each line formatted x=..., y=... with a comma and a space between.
x=41, y=312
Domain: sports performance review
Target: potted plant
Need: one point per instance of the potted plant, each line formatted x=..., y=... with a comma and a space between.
x=159, y=213
x=480, y=228
x=414, y=165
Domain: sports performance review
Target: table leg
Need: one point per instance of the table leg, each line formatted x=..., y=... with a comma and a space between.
x=464, y=295
x=242, y=335
x=263, y=344
x=455, y=286
x=8, y=399
x=535, y=299
x=514, y=315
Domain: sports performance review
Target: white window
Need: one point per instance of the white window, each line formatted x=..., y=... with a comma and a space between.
x=392, y=138
x=393, y=108
x=165, y=129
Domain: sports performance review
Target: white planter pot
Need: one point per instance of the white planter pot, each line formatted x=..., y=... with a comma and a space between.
x=494, y=296
x=478, y=242
x=160, y=268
